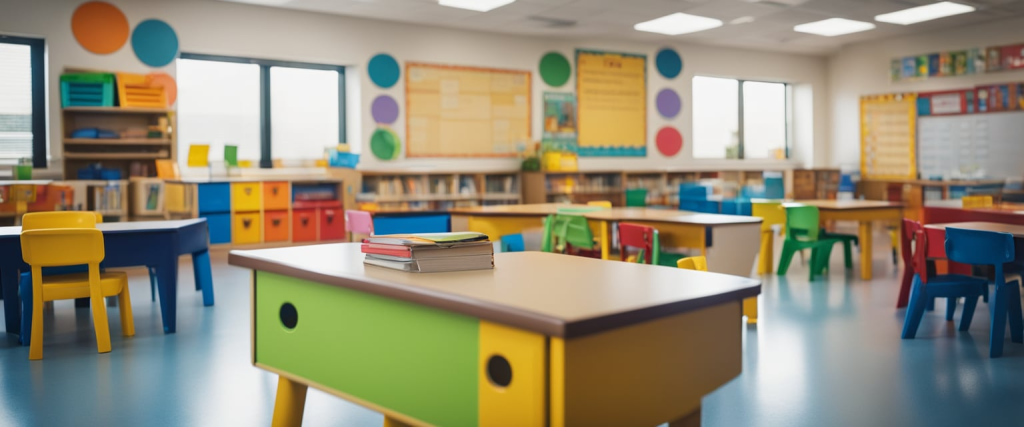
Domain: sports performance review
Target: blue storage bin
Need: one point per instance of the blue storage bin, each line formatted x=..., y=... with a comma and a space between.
x=411, y=223
x=343, y=160
x=87, y=90
x=703, y=206
x=215, y=198
x=110, y=174
x=737, y=207
x=220, y=227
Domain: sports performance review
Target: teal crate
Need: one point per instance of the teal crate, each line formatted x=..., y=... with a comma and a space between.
x=87, y=90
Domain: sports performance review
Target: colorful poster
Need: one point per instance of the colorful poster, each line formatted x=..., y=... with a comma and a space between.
x=909, y=67
x=896, y=70
x=945, y=64
x=947, y=103
x=612, y=103
x=922, y=66
x=1013, y=57
x=559, y=122
x=959, y=63
x=976, y=64
x=993, y=59
x=933, y=65
x=969, y=101
x=982, y=99
x=1020, y=96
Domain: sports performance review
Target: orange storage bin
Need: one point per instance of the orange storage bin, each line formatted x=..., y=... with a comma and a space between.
x=304, y=225
x=332, y=224
x=276, y=195
x=275, y=226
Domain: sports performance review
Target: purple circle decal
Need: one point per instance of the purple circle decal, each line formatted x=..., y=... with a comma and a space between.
x=384, y=109
x=668, y=103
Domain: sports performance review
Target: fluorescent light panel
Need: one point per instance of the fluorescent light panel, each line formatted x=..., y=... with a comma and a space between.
x=834, y=27
x=925, y=13
x=678, y=23
x=477, y=5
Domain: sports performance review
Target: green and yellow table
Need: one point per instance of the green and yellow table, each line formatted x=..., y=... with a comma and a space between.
x=540, y=340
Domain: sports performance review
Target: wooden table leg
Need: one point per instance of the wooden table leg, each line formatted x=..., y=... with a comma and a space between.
x=291, y=400
x=691, y=420
x=605, y=240
x=767, y=256
x=865, y=250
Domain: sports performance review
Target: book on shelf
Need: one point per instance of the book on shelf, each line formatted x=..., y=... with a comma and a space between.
x=429, y=252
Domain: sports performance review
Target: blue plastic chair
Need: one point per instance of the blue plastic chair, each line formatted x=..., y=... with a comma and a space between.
x=512, y=243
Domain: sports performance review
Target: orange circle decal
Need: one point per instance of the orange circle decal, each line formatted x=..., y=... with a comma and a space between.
x=100, y=27
x=167, y=82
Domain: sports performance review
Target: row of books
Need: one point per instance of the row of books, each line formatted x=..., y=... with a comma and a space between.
x=430, y=252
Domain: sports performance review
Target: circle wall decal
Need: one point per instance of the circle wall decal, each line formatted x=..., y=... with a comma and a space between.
x=668, y=103
x=167, y=82
x=384, y=109
x=383, y=70
x=100, y=27
x=155, y=43
x=669, y=141
x=554, y=69
x=669, y=63
x=384, y=144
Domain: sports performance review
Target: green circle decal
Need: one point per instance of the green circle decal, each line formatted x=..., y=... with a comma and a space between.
x=554, y=69
x=384, y=144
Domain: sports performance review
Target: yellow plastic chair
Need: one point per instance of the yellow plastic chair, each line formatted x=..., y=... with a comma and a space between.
x=600, y=204
x=79, y=244
x=772, y=214
x=700, y=263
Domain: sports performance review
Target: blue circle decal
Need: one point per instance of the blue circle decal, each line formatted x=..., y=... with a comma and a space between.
x=155, y=43
x=383, y=70
x=669, y=63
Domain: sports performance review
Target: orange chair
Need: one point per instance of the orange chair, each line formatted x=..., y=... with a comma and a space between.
x=77, y=243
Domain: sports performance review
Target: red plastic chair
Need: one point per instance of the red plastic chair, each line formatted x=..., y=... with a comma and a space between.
x=642, y=237
x=910, y=228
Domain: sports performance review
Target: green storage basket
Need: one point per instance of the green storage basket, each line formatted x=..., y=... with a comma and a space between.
x=87, y=90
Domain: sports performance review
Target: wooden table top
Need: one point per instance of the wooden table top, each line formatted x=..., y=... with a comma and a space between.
x=123, y=227
x=669, y=215
x=846, y=204
x=1009, y=208
x=552, y=294
x=1015, y=230
x=934, y=183
x=534, y=209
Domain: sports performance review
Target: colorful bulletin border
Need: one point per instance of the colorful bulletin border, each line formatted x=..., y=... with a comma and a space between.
x=992, y=98
x=415, y=113
x=622, y=123
x=888, y=136
x=956, y=63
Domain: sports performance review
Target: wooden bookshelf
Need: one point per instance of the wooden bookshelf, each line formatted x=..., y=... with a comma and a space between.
x=436, y=190
x=113, y=156
x=822, y=184
x=118, y=110
x=117, y=141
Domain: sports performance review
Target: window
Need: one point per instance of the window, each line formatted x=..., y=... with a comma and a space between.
x=269, y=109
x=737, y=119
x=22, y=101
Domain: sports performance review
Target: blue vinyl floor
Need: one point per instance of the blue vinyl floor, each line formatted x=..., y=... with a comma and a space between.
x=826, y=353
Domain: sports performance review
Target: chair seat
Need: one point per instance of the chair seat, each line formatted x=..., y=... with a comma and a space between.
x=76, y=285
x=956, y=285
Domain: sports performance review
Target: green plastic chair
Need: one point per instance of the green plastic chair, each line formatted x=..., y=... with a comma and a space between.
x=848, y=240
x=562, y=230
x=636, y=198
x=803, y=231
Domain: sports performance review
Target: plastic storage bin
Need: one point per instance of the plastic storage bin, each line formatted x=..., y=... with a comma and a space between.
x=87, y=90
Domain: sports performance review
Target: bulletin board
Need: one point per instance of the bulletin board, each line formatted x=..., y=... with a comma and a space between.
x=888, y=126
x=612, y=103
x=969, y=144
x=466, y=112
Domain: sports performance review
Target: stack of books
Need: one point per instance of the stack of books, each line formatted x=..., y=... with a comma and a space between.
x=430, y=252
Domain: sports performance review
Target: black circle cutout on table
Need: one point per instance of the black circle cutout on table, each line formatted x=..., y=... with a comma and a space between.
x=289, y=315
x=499, y=371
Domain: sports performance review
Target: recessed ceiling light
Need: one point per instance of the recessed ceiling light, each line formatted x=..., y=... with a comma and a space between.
x=742, y=20
x=477, y=5
x=678, y=23
x=924, y=13
x=834, y=27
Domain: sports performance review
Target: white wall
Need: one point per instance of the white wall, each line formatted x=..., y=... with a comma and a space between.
x=222, y=28
x=863, y=69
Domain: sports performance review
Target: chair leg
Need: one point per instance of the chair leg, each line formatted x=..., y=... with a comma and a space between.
x=25, y=293
x=152, y=283
x=35, y=350
x=99, y=322
x=813, y=264
x=915, y=311
x=950, y=308
x=931, y=304
x=998, y=331
x=965, y=318
x=1014, y=313
x=124, y=304
x=848, y=254
x=785, y=258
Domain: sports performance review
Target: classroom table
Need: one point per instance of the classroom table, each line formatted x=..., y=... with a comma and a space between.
x=541, y=340
x=156, y=244
x=948, y=211
x=862, y=211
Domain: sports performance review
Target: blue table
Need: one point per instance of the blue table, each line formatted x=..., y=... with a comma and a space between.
x=154, y=244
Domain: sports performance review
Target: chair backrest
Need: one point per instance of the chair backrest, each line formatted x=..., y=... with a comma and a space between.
x=802, y=222
x=774, y=187
x=979, y=247
x=561, y=230
x=358, y=222
x=771, y=213
x=910, y=229
x=641, y=237
x=919, y=260
x=57, y=247
x=693, y=263
x=636, y=197
x=512, y=243
x=600, y=203
x=63, y=219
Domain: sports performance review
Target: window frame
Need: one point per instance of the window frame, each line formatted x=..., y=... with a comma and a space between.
x=740, y=132
x=37, y=61
x=266, y=159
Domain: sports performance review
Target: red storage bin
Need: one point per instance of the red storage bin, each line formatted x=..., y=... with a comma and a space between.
x=332, y=224
x=304, y=225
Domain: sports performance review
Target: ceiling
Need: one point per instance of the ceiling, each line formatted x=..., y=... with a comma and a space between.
x=770, y=29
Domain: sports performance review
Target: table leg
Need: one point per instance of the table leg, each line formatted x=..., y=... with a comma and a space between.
x=12, y=310
x=865, y=250
x=204, y=275
x=167, y=285
x=767, y=256
x=750, y=310
x=291, y=400
x=391, y=422
x=605, y=240
x=691, y=420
